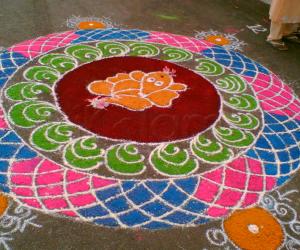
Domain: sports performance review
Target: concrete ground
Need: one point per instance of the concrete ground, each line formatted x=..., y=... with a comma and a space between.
x=25, y=19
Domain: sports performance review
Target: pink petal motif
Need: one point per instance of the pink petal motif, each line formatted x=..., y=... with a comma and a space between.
x=69, y=213
x=206, y=191
x=48, y=167
x=256, y=183
x=215, y=175
x=3, y=124
x=250, y=199
x=23, y=180
x=275, y=97
x=239, y=164
x=235, y=179
x=49, y=178
x=188, y=43
x=51, y=190
x=100, y=183
x=255, y=166
x=98, y=103
x=79, y=186
x=229, y=198
x=55, y=203
x=25, y=167
x=32, y=202
x=53, y=187
x=217, y=212
x=23, y=191
x=35, y=47
x=270, y=183
x=239, y=183
x=73, y=176
x=82, y=200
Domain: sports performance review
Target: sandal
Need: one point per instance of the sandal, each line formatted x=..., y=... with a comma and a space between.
x=292, y=38
x=278, y=44
x=297, y=32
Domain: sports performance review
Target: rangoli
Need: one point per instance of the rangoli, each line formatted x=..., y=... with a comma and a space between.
x=137, y=129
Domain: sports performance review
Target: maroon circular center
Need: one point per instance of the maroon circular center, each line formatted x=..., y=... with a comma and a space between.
x=195, y=110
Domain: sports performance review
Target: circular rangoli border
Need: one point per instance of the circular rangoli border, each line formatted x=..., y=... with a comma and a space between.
x=231, y=135
x=153, y=204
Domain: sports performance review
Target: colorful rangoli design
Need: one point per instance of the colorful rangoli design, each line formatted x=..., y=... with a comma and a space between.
x=136, y=129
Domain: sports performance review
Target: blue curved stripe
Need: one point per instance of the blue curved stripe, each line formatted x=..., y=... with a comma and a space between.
x=278, y=147
x=237, y=62
x=110, y=34
x=153, y=204
x=9, y=63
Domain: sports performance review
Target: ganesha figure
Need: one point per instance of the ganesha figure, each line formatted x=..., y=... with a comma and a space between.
x=136, y=90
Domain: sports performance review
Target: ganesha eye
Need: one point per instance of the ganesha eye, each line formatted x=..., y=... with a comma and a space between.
x=151, y=79
x=158, y=83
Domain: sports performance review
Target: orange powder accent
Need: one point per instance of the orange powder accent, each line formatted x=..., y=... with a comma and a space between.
x=219, y=40
x=163, y=97
x=254, y=229
x=132, y=92
x=152, y=89
x=101, y=87
x=177, y=87
x=118, y=77
x=131, y=102
x=3, y=204
x=91, y=25
x=126, y=85
x=137, y=75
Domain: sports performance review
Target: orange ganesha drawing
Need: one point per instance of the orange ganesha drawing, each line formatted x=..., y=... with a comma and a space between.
x=136, y=90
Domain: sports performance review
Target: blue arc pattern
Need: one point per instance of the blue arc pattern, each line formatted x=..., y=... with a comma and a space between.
x=157, y=205
x=110, y=34
x=278, y=147
x=235, y=61
x=9, y=63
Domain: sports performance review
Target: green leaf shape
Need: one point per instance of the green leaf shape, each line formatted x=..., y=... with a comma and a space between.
x=143, y=49
x=234, y=137
x=61, y=62
x=113, y=48
x=84, y=53
x=28, y=114
x=51, y=136
x=210, y=151
x=242, y=120
x=42, y=74
x=83, y=153
x=125, y=159
x=170, y=160
x=208, y=67
x=24, y=91
x=231, y=84
x=244, y=102
x=176, y=55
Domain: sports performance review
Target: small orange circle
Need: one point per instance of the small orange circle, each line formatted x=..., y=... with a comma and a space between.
x=3, y=204
x=91, y=25
x=218, y=39
x=254, y=229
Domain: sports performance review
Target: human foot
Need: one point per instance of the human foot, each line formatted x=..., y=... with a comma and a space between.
x=292, y=38
x=278, y=44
